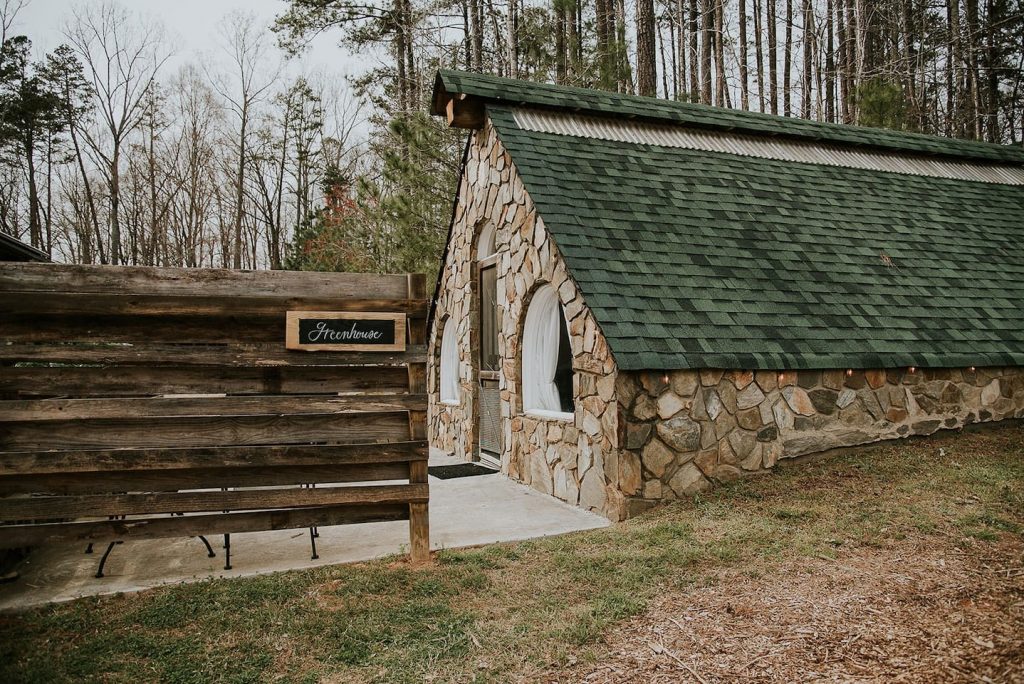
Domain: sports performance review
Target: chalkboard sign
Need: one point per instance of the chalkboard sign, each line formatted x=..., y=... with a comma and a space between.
x=345, y=331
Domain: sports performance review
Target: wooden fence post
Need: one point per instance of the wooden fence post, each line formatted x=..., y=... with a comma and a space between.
x=419, y=514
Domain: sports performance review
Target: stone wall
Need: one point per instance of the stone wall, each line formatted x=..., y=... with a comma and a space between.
x=574, y=460
x=684, y=430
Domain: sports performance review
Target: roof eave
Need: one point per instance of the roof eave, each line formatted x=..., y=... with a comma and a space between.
x=461, y=110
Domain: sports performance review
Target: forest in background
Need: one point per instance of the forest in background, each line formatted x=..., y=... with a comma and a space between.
x=107, y=158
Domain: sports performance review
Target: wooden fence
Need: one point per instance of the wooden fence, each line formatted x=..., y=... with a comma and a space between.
x=123, y=390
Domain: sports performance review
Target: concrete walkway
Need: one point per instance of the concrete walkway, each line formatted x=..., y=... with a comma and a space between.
x=464, y=512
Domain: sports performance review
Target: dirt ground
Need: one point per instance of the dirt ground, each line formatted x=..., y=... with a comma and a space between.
x=917, y=611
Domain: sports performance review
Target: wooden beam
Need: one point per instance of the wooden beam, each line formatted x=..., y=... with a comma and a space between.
x=464, y=112
x=231, y=355
x=130, y=381
x=29, y=303
x=198, y=478
x=42, y=410
x=99, y=505
x=15, y=536
x=220, y=430
x=201, y=282
x=114, y=460
x=80, y=462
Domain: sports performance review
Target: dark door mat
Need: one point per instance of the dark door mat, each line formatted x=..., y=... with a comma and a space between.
x=449, y=472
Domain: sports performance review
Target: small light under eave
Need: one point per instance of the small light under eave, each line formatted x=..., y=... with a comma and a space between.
x=664, y=378
x=972, y=369
x=912, y=369
x=782, y=376
x=849, y=372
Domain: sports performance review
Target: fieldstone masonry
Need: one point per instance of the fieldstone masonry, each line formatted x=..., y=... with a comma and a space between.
x=685, y=430
x=637, y=438
x=572, y=460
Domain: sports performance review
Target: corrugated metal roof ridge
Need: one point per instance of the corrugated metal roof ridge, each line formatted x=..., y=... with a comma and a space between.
x=514, y=92
x=664, y=135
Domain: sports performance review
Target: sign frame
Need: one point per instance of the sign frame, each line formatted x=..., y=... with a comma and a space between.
x=292, y=340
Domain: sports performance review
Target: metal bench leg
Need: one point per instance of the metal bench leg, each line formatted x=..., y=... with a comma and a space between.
x=88, y=549
x=315, y=531
x=227, y=551
x=312, y=541
x=103, y=560
x=209, y=549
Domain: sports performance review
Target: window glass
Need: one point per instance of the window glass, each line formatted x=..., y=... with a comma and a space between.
x=449, y=372
x=547, y=356
x=563, y=369
x=489, y=319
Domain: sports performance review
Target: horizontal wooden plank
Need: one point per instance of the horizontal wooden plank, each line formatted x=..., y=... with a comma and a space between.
x=182, y=431
x=200, y=355
x=129, y=381
x=109, y=460
x=41, y=410
x=14, y=536
x=139, y=330
x=208, y=282
x=21, y=303
x=39, y=508
x=198, y=478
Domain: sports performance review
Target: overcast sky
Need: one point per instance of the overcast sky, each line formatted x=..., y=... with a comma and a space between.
x=191, y=25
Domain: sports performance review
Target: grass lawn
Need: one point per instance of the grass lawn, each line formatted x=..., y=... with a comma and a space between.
x=522, y=611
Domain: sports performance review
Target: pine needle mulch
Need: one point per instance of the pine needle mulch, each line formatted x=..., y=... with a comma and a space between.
x=912, y=611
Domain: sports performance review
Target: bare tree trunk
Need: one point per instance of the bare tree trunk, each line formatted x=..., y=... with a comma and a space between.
x=513, y=38
x=974, y=111
x=681, y=48
x=759, y=55
x=622, y=68
x=646, y=68
x=500, y=50
x=852, y=63
x=787, y=59
x=954, y=70
x=744, y=80
x=115, y=204
x=468, y=33
x=240, y=187
x=695, y=76
x=773, y=60
x=721, y=92
x=830, y=64
x=808, y=59
x=907, y=57
x=476, y=26
x=92, y=214
x=604, y=51
x=35, y=229
x=707, y=26
x=665, y=68
x=993, y=18
x=561, y=64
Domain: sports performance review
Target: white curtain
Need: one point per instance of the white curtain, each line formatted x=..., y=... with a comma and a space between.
x=540, y=352
x=449, y=364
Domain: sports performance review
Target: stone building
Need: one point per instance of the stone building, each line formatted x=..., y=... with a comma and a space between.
x=641, y=298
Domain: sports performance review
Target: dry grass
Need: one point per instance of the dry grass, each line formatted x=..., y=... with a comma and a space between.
x=903, y=561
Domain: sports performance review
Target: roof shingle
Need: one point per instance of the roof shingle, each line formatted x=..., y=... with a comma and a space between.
x=691, y=258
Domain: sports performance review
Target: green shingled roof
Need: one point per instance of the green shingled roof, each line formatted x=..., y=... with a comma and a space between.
x=696, y=259
x=512, y=92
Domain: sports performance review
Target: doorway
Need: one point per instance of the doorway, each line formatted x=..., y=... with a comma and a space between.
x=489, y=415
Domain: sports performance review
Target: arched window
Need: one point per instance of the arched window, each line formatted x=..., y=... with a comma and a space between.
x=485, y=243
x=449, y=379
x=547, y=357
